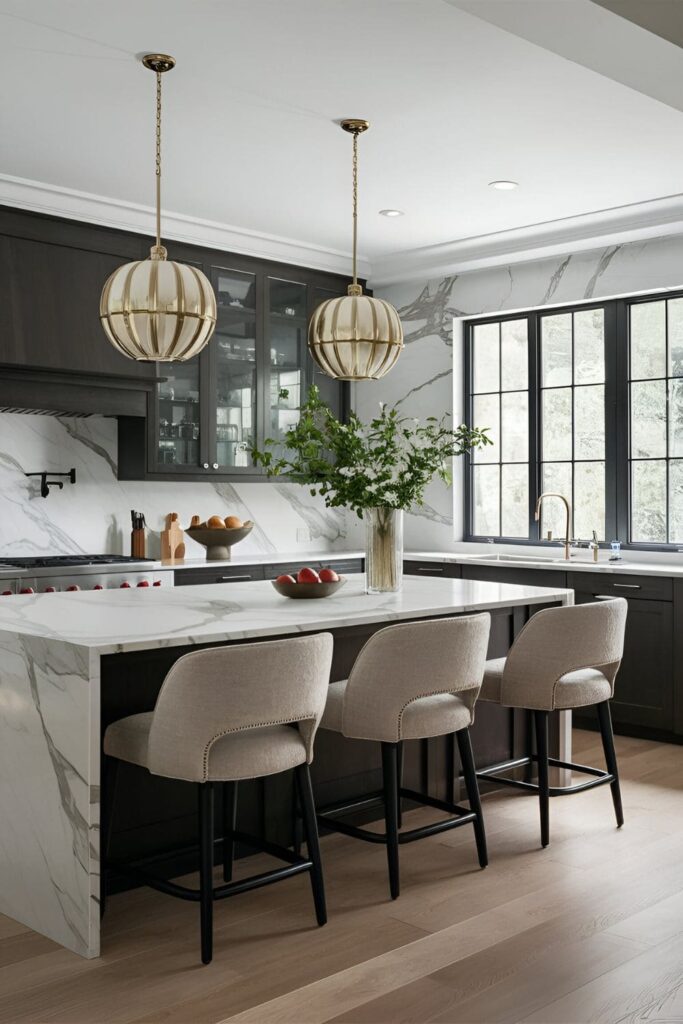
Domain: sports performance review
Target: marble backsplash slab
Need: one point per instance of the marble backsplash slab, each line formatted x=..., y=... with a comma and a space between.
x=93, y=515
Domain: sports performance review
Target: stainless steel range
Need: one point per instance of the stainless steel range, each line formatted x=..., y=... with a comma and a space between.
x=79, y=572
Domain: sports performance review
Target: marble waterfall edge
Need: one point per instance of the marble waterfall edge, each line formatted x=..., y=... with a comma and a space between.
x=49, y=789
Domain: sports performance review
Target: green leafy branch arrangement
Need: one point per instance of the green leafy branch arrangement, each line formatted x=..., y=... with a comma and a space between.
x=386, y=463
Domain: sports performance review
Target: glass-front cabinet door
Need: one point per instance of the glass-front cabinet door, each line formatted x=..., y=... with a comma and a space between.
x=178, y=419
x=288, y=378
x=231, y=366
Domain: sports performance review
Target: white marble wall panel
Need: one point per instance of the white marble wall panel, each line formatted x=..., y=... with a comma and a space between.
x=94, y=514
x=49, y=789
x=427, y=380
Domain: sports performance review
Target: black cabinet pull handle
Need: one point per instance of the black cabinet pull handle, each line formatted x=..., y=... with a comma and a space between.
x=626, y=586
x=429, y=568
x=231, y=579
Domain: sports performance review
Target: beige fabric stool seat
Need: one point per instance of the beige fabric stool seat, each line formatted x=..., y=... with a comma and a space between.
x=223, y=715
x=250, y=754
x=412, y=681
x=563, y=658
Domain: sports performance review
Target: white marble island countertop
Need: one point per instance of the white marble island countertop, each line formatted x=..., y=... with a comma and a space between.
x=116, y=621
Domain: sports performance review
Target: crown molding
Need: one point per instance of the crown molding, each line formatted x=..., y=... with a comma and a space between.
x=40, y=197
x=656, y=218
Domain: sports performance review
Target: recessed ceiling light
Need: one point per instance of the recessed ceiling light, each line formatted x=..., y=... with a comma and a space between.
x=391, y=213
x=503, y=186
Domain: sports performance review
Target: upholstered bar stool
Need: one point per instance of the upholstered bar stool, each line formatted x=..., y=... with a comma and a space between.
x=223, y=715
x=412, y=681
x=563, y=658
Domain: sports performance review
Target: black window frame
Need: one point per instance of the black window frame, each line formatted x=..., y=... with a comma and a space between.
x=617, y=416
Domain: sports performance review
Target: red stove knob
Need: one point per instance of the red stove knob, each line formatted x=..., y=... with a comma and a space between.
x=157, y=583
x=143, y=583
x=98, y=586
x=50, y=590
x=27, y=590
x=125, y=586
x=72, y=587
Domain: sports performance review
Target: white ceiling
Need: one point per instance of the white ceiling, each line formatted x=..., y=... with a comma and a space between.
x=249, y=136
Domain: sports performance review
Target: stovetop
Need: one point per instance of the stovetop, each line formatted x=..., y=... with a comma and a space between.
x=68, y=561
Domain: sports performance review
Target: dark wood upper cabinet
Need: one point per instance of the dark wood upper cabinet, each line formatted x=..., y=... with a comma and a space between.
x=205, y=414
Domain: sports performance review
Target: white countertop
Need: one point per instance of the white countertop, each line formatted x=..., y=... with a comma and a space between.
x=264, y=558
x=579, y=563
x=113, y=621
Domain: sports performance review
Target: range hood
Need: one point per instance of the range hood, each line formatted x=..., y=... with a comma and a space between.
x=39, y=390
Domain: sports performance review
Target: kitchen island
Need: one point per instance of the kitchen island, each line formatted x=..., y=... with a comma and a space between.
x=72, y=662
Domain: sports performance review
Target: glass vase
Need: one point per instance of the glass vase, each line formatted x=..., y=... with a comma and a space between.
x=383, y=550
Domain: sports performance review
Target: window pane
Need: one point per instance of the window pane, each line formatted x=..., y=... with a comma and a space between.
x=515, y=426
x=648, y=419
x=675, y=502
x=486, y=413
x=648, y=502
x=558, y=478
x=486, y=357
x=514, y=371
x=556, y=350
x=486, y=490
x=675, y=418
x=589, y=422
x=648, y=340
x=589, y=499
x=515, y=501
x=676, y=337
x=589, y=346
x=556, y=421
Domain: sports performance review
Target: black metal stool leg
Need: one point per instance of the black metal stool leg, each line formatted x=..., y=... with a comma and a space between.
x=110, y=769
x=450, y=768
x=206, y=869
x=390, y=775
x=229, y=823
x=469, y=774
x=605, y=718
x=399, y=772
x=541, y=723
x=305, y=789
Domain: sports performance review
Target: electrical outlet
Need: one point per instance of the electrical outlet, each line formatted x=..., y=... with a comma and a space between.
x=303, y=535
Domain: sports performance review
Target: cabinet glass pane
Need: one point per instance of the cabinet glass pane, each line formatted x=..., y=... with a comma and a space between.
x=235, y=353
x=648, y=340
x=486, y=358
x=287, y=329
x=178, y=425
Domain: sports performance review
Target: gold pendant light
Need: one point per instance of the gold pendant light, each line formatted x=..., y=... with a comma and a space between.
x=153, y=309
x=355, y=337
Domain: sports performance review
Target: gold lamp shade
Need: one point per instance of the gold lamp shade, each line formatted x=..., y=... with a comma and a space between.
x=158, y=310
x=154, y=310
x=355, y=337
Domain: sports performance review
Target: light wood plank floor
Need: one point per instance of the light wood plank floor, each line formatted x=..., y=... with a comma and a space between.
x=589, y=930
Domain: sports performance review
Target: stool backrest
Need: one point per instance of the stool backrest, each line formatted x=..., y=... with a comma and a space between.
x=402, y=663
x=209, y=694
x=556, y=641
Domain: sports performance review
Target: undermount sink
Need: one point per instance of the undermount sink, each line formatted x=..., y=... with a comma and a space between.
x=541, y=559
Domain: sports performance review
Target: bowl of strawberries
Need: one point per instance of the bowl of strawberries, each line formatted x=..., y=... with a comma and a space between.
x=307, y=583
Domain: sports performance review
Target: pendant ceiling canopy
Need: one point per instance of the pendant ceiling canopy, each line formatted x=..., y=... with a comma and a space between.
x=355, y=337
x=154, y=309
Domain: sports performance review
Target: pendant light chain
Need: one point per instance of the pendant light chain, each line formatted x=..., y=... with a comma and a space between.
x=355, y=205
x=158, y=159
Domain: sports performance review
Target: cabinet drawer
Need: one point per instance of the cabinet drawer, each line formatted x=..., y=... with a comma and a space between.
x=344, y=566
x=445, y=569
x=645, y=588
x=221, y=574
